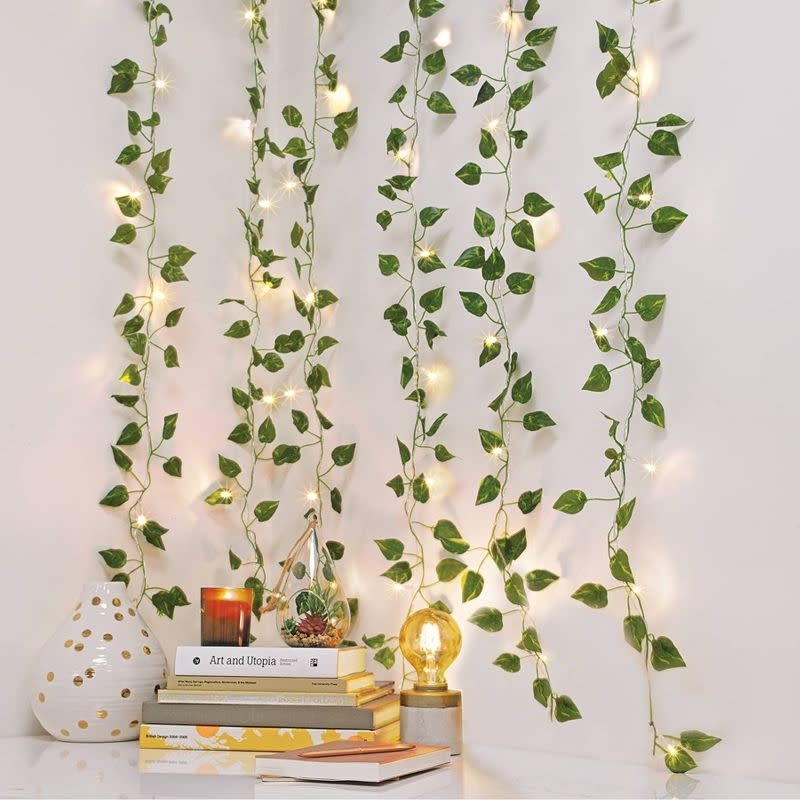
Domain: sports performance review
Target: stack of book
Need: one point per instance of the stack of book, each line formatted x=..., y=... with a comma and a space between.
x=269, y=699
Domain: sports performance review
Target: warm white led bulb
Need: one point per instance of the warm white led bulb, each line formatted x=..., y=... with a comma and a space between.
x=250, y=15
x=269, y=400
x=633, y=74
x=444, y=38
x=635, y=588
x=226, y=494
x=161, y=83
x=492, y=125
x=141, y=521
x=650, y=467
x=290, y=184
x=290, y=393
x=489, y=341
x=645, y=197
x=266, y=203
x=426, y=252
x=158, y=296
x=601, y=333
x=497, y=452
x=312, y=496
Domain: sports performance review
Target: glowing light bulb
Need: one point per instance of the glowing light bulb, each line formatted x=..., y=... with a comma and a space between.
x=135, y=194
x=290, y=393
x=322, y=4
x=249, y=15
x=426, y=252
x=239, y=128
x=226, y=494
x=645, y=197
x=403, y=154
x=672, y=750
x=444, y=38
x=158, y=296
x=492, y=125
x=633, y=74
x=161, y=83
x=543, y=658
x=290, y=184
x=141, y=521
x=398, y=588
x=266, y=203
x=650, y=467
x=432, y=375
x=497, y=452
x=635, y=589
x=269, y=400
x=601, y=333
x=333, y=585
x=310, y=298
x=505, y=18
x=430, y=641
x=490, y=341
x=312, y=496
x=339, y=99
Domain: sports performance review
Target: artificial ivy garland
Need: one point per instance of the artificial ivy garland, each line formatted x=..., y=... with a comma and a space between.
x=631, y=196
x=503, y=546
x=311, y=423
x=143, y=329
x=256, y=428
x=411, y=318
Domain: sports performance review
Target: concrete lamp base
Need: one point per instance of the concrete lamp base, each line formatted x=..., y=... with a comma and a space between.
x=431, y=717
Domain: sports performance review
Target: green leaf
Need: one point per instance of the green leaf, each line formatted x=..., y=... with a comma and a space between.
x=439, y=104
x=519, y=282
x=388, y=264
x=234, y=560
x=335, y=550
x=152, y=532
x=671, y=121
x=134, y=123
x=427, y=8
x=530, y=641
x=530, y=61
x=124, y=234
x=571, y=502
x=393, y=54
x=664, y=143
x=116, y=559
x=609, y=38
x=490, y=440
x=610, y=299
x=266, y=431
x=540, y=579
x=442, y=453
x=534, y=205
x=635, y=630
x=678, y=760
x=653, y=411
x=595, y=199
x=131, y=434
x=160, y=162
x=624, y=514
x=129, y=154
x=430, y=216
x=121, y=458
x=343, y=454
x=620, y=567
x=472, y=258
x=405, y=453
x=432, y=300
x=173, y=318
x=116, y=496
x=385, y=656
x=336, y=501
x=650, y=306
x=228, y=467
x=470, y=174
x=485, y=93
x=530, y=9
x=522, y=390
x=602, y=268
x=392, y=549
x=170, y=356
x=220, y=497
x=612, y=74
x=300, y=420
x=449, y=568
x=528, y=501
x=173, y=466
x=599, y=379
x=400, y=572
x=542, y=691
x=667, y=218
x=521, y=96
x=600, y=338
x=698, y=741
x=522, y=235
x=488, y=145
x=488, y=619
x=420, y=490
x=539, y=36
x=399, y=95
x=494, y=267
x=292, y=116
x=609, y=161
x=565, y=709
x=265, y=510
x=285, y=454
x=474, y=303
x=468, y=75
x=640, y=192
x=593, y=595
x=509, y=662
x=483, y=222
x=127, y=400
x=515, y=590
x=445, y=532
x=488, y=490
x=131, y=375
x=434, y=62
x=471, y=585
x=129, y=206
x=325, y=342
x=664, y=654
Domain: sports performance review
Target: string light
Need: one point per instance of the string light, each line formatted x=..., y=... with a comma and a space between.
x=672, y=750
x=633, y=74
x=310, y=298
x=162, y=83
x=426, y=252
x=490, y=341
x=226, y=494
x=239, y=128
x=291, y=392
x=339, y=99
x=289, y=184
x=403, y=154
x=250, y=15
x=601, y=333
x=141, y=521
x=492, y=125
x=635, y=589
x=497, y=452
x=645, y=197
x=650, y=467
x=158, y=296
x=269, y=400
x=444, y=38
x=544, y=658
x=266, y=204
x=312, y=497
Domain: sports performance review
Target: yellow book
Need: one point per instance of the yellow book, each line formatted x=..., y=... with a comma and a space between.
x=275, y=740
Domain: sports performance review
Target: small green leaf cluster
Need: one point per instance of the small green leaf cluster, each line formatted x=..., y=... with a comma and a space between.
x=142, y=329
x=632, y=196
x=412, y=318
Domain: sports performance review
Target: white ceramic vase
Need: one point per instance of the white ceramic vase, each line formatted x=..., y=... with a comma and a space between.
x=92, y=676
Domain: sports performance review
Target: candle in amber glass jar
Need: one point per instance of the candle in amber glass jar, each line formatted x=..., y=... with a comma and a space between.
x=225, y=616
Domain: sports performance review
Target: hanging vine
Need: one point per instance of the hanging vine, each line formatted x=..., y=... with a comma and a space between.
x=411, y=318
x=628, y=198
x=499, y=139
x=143, y=328
x=256, y=428
x=311, y=424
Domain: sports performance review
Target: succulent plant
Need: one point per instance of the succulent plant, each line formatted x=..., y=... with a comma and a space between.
x=312, y=625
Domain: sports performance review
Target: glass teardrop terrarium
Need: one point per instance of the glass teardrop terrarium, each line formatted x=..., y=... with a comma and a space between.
x=312, y=608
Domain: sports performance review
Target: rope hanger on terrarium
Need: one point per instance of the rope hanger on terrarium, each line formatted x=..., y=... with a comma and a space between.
x=315, y=612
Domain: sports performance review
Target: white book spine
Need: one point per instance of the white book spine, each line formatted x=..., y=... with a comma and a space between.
x=276, y=662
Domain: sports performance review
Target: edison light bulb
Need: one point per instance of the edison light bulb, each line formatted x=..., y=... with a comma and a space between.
x=430, y=641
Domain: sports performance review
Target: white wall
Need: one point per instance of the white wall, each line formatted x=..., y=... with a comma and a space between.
x=714, y=539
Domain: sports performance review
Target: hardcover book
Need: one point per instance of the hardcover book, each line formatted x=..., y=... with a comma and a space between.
x=365, y=767
x=237, y=697
x=222, y=683
x=276, y=662
x=270, y=740
x=368, y=717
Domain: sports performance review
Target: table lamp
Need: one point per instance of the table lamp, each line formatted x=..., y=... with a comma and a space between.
x=430, y=713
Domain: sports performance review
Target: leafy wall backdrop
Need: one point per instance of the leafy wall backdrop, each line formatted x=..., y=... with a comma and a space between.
x=679, y=540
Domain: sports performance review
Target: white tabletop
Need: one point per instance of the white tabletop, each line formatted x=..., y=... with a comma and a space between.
x=38, y=766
